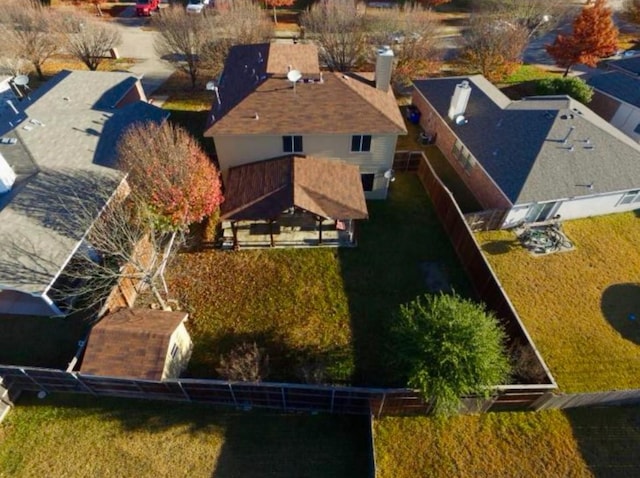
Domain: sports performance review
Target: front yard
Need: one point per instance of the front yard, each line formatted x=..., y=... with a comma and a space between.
x=584, y=442
x=579, y=306
x=84, y=436
x=321, y=310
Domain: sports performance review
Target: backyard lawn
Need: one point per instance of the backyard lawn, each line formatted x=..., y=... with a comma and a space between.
x=584, y=442
x=75, y=436
x=321, y=309
x=579, y=306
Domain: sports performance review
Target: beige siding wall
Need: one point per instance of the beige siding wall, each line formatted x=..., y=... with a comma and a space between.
x=237, y=150
x=174, y=366
x=476, y=178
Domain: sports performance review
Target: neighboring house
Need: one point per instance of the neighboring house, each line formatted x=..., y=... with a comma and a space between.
x=617, y=95
x=535, y=159
x=292, y=201
x=138, y=343
x=259, y=113
x=57, y=170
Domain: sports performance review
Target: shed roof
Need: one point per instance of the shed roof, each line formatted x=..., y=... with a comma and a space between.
x=131, y=343
x=64, y=158
x=539, y=148
x=264, y=189
x=254, y=83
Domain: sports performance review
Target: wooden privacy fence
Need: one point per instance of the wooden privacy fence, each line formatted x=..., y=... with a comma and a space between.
x=283, y=397
x=484, y=281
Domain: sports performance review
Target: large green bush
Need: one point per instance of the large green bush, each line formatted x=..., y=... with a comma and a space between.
x=570, y=85
x=449, y=347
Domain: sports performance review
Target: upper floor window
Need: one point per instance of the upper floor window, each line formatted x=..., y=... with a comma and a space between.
x=292, y=144
x=361, y=143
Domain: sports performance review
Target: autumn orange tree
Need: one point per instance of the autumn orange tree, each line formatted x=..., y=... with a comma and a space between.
x=594, y=37
x=168, y=170
x=278, y=3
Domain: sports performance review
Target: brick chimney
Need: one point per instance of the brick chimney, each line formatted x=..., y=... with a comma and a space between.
x=384, y=66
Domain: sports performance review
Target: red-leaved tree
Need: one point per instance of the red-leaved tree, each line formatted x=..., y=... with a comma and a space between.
x=278, y=3
x=170, y=173
x=594, y=37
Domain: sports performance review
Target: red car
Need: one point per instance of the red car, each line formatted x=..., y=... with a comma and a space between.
x=145, y=7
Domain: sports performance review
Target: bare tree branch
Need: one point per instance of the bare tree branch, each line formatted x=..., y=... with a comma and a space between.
x=87, y=39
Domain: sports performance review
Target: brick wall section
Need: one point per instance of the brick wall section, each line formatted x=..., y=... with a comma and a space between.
x=483, y=188
x=604, y=105
x=136, y=93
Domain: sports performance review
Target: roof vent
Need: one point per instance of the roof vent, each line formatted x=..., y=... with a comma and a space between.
x=460, y=120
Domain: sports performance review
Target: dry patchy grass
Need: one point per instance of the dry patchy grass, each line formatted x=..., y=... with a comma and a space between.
x=290, y=301
x=318, y=306
x=575, y=443
x=576, y=304
x=75, y=436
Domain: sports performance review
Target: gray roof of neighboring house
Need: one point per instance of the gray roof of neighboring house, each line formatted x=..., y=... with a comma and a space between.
x=630, y=65
x=618, y=85
x=64, y=158
x=521, y=144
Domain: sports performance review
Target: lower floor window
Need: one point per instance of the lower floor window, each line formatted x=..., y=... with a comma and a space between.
x=367, y=181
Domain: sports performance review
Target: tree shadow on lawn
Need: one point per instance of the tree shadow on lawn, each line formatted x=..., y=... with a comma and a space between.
x=608, y=439
x=295, y=446
x=500, y=247
x=384, y=271
x=620, y=304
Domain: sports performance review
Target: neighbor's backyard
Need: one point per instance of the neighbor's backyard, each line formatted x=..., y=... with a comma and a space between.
x=322, y=310
x=581, y=442
x=77, y=435
x=579, y=306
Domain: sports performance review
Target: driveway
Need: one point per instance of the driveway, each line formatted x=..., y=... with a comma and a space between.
x=138, y=42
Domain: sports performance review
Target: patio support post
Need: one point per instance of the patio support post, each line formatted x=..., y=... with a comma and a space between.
x=320, y=219
x=271, y=232
x=234, y=232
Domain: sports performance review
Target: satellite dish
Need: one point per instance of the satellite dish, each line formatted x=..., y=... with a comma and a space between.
x=211, y=85
x=21, y=80
x=293, y=76
x=460, y=120
x=389, y=175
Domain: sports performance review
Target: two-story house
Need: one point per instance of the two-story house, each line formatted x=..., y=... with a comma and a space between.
x=258, y=113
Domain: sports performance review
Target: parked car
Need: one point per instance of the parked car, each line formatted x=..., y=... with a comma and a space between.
x=144, y=8
x=196, y=6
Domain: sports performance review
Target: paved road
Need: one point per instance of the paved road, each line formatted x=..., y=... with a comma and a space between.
x=138, y=43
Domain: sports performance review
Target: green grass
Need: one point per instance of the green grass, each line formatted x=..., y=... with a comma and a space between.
x=575, y=443
x=75, y=436
x=319, y=306
x=576, y=304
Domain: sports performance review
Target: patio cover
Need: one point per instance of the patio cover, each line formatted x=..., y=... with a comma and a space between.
x=262, y=190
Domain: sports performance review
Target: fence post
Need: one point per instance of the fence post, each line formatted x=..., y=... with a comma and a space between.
x=384, y=396
x=84, y=385
x=284, y=400
x=33, y=380
x=184, y=392
x=233, y=395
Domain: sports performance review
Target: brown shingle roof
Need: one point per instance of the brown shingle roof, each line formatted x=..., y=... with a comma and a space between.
x=301, y=56
x=131, y=343
x=340, y=104
x=264, y=189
